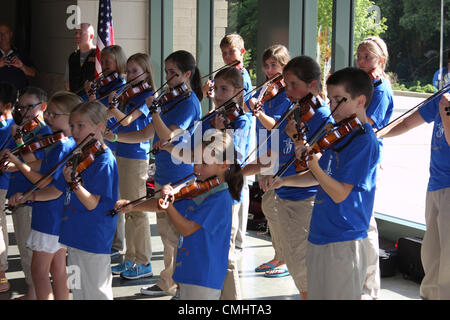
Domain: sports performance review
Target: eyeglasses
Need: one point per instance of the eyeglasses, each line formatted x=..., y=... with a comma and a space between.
x=30, y=106
x=52, y=115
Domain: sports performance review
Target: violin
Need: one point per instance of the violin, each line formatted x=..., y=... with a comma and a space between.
x=302, y=112
x=29, y=126
x=276, y=85
x=102, y=81
x=3, y=117
x=190, y=191
x=127, y=94
x=81, y=161
x=341, y=130
x=375, y=76
x=43, y=143
x=229, y=111
x=168, y=96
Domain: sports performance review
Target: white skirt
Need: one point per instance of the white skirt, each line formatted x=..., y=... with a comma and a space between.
x=39, y=241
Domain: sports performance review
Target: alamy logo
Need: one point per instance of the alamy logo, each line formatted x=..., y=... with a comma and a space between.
x=74, y=18
x=73, y=277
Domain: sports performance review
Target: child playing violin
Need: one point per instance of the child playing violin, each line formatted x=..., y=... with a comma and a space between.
x=113, y=62
x=203, y=221
x=228, y=86
x=7, y=98
x=372, y=57
x=48, y=255
x=336, y=256
x=29, y=126
x=179, y=111
x=294, y=205
x=267, y=113
x=436, y=242
x=89, y=190
x=132, y=161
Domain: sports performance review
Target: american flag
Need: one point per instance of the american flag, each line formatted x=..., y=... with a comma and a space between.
x=105, y=32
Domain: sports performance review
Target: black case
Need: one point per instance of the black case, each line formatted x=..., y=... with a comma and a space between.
x=409, y=260
x=388, y=262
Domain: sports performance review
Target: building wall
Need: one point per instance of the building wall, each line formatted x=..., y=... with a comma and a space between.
x=52, y=41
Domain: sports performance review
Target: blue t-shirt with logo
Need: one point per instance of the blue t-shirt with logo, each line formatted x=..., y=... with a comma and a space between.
x=440, y=150
x=135, y=150
x=47, y=215
x=182, y=112
x=353, y=161
x=287, y=151
x=202, y=257
x=91, y=230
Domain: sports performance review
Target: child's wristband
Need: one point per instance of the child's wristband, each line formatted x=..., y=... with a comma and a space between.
x=20, y=144
x=116, y=137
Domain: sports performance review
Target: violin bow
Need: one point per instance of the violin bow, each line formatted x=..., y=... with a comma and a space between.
x=176, y=185
x=221, y=68
x=79, y=90
x=39, y=183
x=418, y=106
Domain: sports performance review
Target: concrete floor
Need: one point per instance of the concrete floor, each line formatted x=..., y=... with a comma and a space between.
x=254, y=285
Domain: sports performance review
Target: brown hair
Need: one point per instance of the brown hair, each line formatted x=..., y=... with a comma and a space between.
x=306, y=69
x=279, y=52
x=222, y=145
x=233, y=40
x=234, y=76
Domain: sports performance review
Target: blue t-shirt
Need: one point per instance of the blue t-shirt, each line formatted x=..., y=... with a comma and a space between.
x=5, y=133
x=202, y=257
x=440, y=150
x=47, y=215
x=182, y=115
x=17, y=181
x=135, y=150
x=381, y=106
x=241, y=131
x=287, y=151
x=247, y=84
x=104, y=92
x=354, y=164
x=91, y=230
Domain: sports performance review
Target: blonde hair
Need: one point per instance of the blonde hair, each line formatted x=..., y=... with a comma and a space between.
x=233, y=40
x=144, y=61
x=234, y=76
x=65, y=101
x=378, y=47
x=279, y=52
x=116, y=52
x=93, y=111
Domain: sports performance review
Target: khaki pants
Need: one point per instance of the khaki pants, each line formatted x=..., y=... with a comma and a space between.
x=169, y=237
x=92, y=277
x=193, y=292
x=243, y=216
x=372, y=282
x=232, y=287
x=295, y=217
x=21, y=217
x=336, y=271
x=3, y=233
x=132, y=178
x=269, y=206
x=436, y=246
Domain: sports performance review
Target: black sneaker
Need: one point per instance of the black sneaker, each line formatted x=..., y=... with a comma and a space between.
x=154, y=291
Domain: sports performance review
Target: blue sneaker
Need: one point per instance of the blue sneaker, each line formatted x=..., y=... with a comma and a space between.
x=137, y=271
x=122, y=267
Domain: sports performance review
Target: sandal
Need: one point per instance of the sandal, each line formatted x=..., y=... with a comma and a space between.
x=4, y=285
x=277, y=272
x=262, y=267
